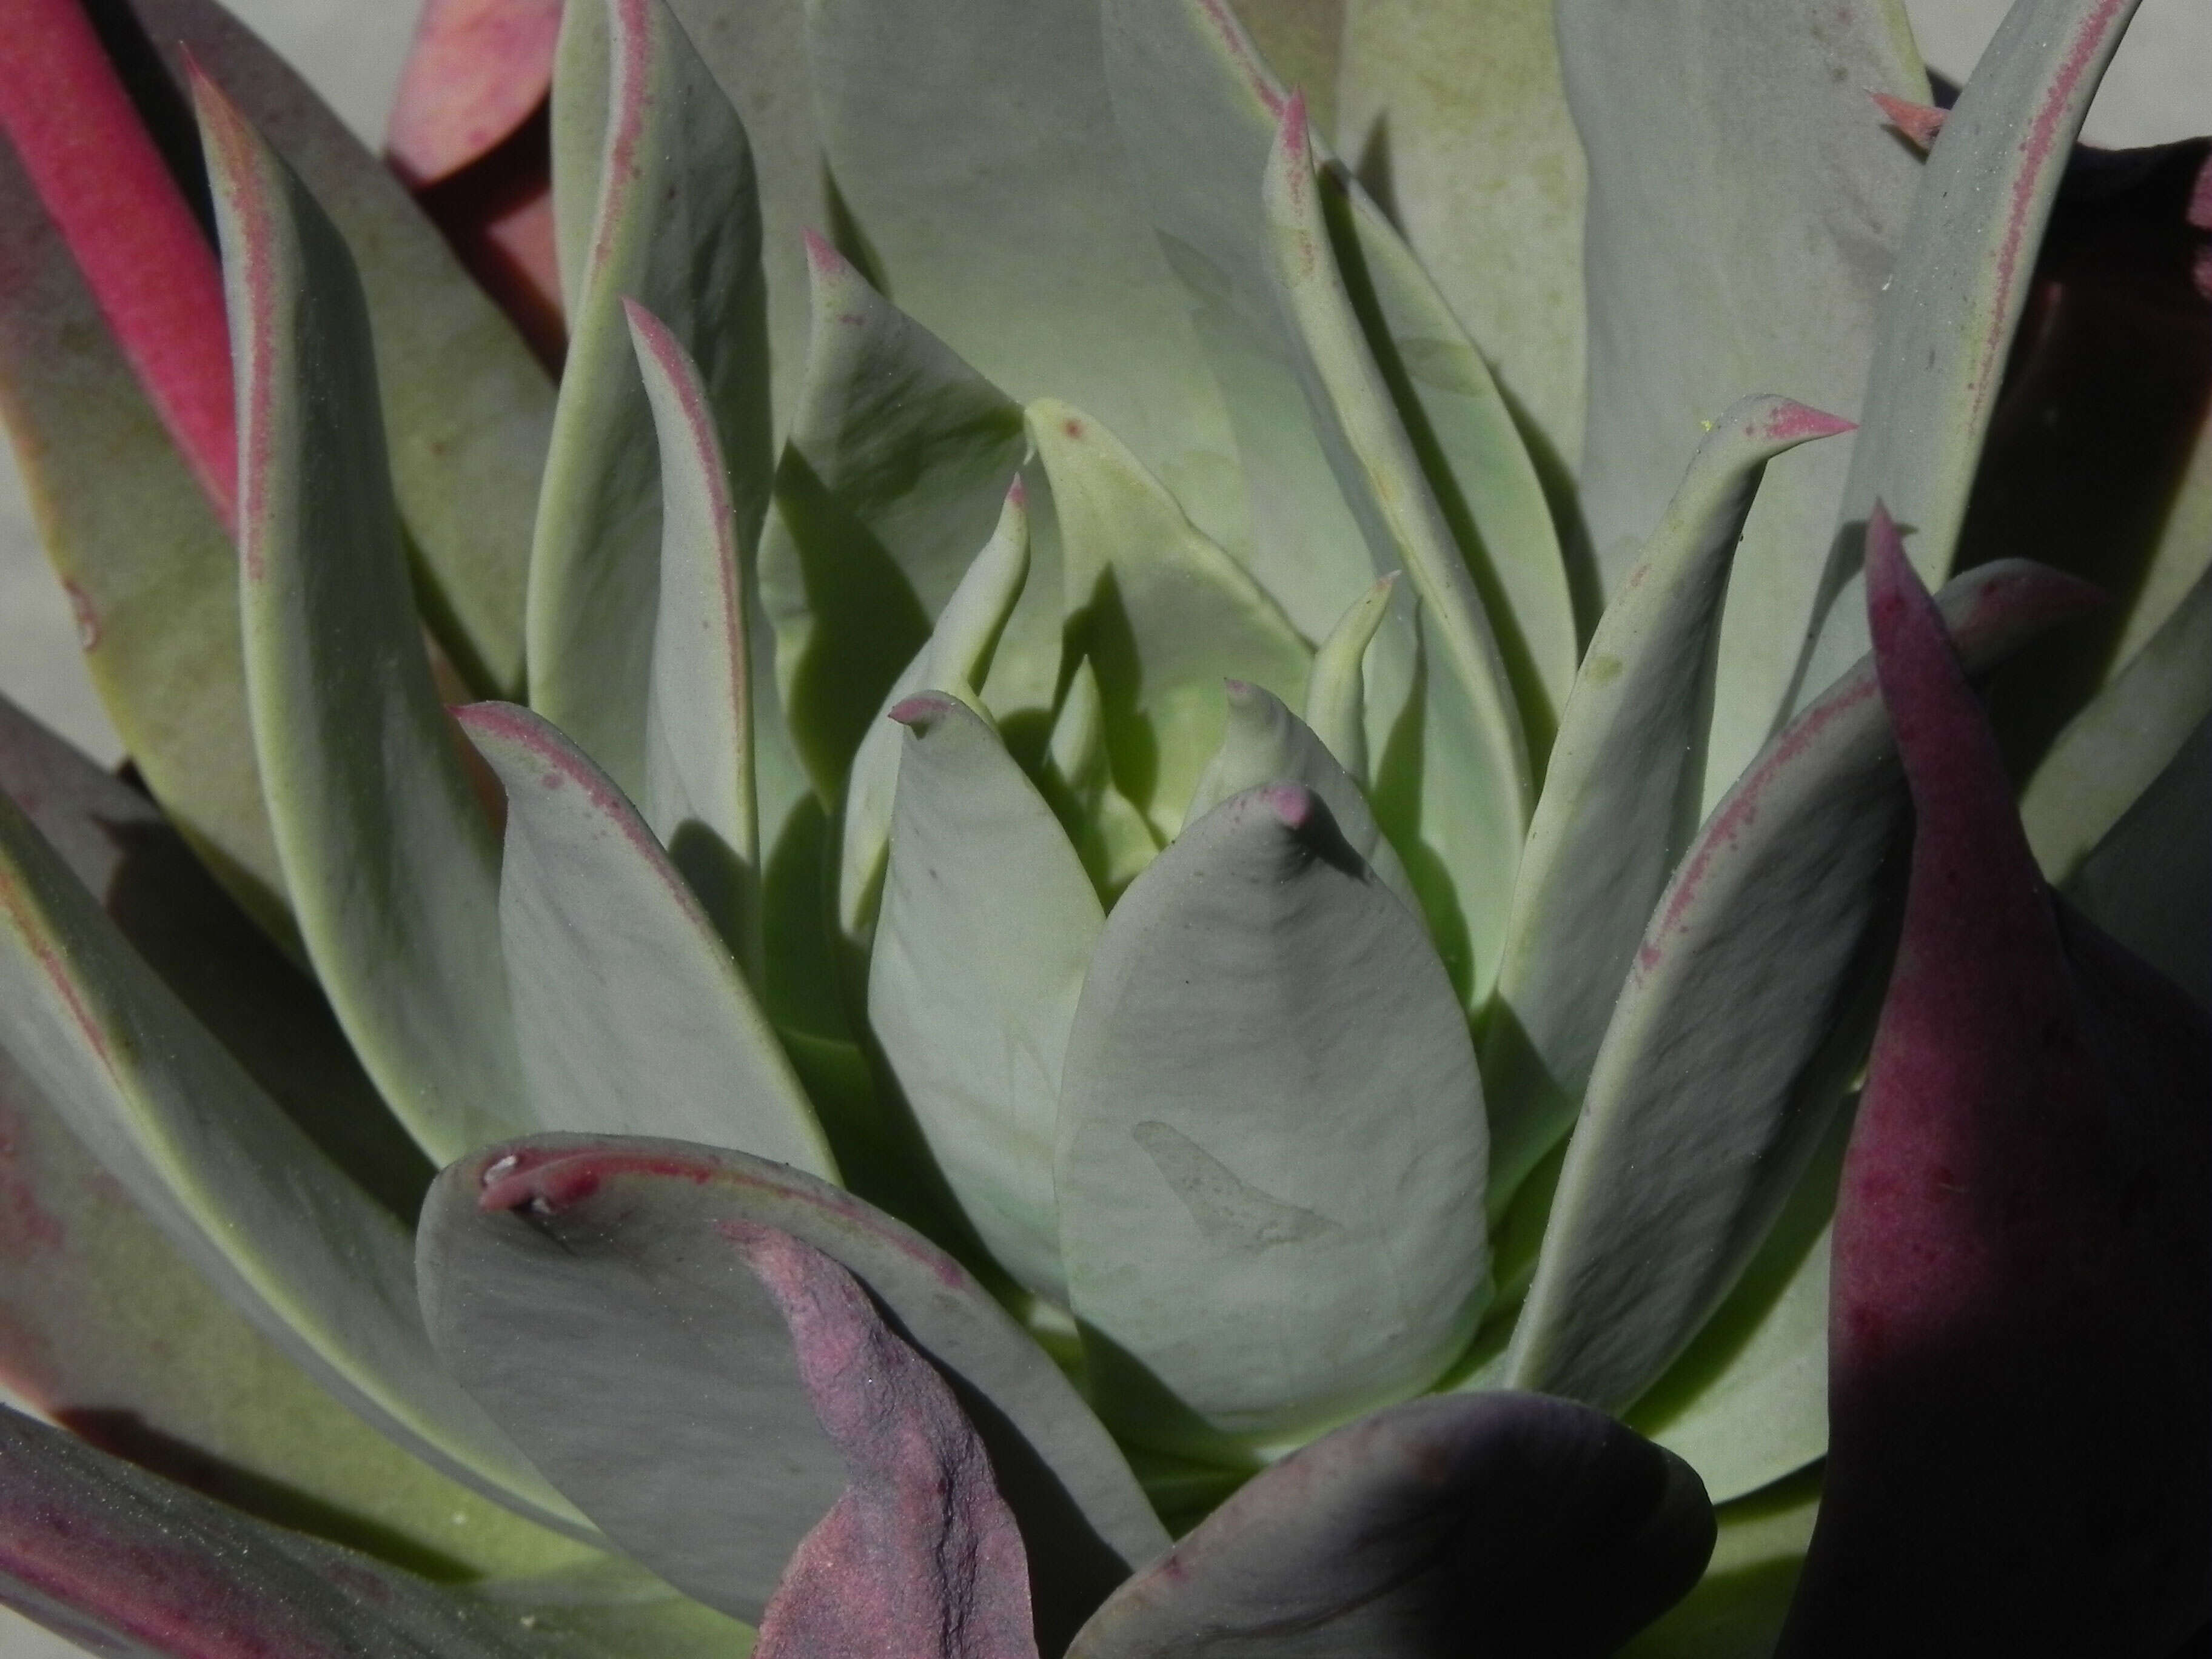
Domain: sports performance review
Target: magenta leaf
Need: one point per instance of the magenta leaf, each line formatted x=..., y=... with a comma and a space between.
x=476, y=70
x=920, y=1558
x=2020, y=1337
x=1460, y=1524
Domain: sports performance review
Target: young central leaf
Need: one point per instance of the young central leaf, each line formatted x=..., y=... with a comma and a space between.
x=1271, y=1149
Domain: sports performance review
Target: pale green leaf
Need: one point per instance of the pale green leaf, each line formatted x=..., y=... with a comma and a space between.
x=1266, y=743
x=630, y=1012
x=976, y=147
x=1737, y=1608
x=954, y=661
x=1336, y=689
x=392, y=869
x=1746, y=198
x=1076, y=777
x=987, y=927
x=1270, y=1154
x=699, y=722
x=1454, y=118
x=1164, y=614
x=583, y=1286
x=1743, y=1016
x=2111, y=753
x=674, y=225
x=466, y=407
x=1621, y=799
x=2148, y=882
x=1962, y=273
x=322, y=1269
x=1472, y=730
x=899, y=459
x=1747, y=1402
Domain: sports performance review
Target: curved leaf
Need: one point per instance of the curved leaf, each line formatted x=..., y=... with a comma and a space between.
x=1268, y=744
x=954, y=658
x=1475, y=747
x=475, y=71
x=1620, y=800
x=1270, y=1153
x=2021, y=1221
x=630, y=1015
x=1741, y=1019
x=1738, y=1607
x=986, y=929
x=899, y=457
x=919, y=1555
x=977, y=151
x=587, y=1289
x=240, y=1191
x=1336, y=689
x=2148, y=882
x=465, y=406
x=699, y=722
x=122, y=1563
x=1524, y=1524
x=1164, y=614
x=1111, y=836
x=1746, y=199
x=392, y=869
x=674, y=224
x=1963, y=265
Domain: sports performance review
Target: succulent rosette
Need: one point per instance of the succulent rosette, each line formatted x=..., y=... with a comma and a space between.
x=1096, y=835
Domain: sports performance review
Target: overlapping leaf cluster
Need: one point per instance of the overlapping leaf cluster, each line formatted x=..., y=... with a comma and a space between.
x=1061, y=902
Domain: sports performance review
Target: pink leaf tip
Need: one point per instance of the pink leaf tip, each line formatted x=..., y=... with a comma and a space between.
x=1920, y=122
x=920, y=711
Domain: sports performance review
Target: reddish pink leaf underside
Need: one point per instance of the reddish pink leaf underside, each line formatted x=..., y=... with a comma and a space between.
x=1918, y=122
x=477, y=69
x=143, y=255
x=920, y=1558
x=2021, y=1330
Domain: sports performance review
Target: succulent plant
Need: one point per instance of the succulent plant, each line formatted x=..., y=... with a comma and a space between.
x=1151, y=954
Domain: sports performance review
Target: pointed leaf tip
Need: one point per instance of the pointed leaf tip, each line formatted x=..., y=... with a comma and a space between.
x=918, y=714
x=822, y=256
x=1920, y=122
x=1795, y=423
x=1294, y=803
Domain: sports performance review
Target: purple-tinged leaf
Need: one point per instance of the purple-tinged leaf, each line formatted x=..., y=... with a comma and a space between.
x=126, y=1564
x=586, y=1290
x=1494, y=1523
x=2021, y=1330
x=919, y=1557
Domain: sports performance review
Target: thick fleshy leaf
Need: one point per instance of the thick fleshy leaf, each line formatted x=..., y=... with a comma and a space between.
x=1962, y=280
x=392, y=869
x=2148, y=882
x=148, y=567
x=1268, y=744
x=987, y=924
x=698, y=778
x=919, y=1557
x=1458, y=123
x=237, y=1188
x=1738, y=1607
x=1620, y=800
x=1199, y=113
x=977, y=151
x=586, y=1290
x=104, y=181
x=630, y=1014
x=1742, y=1017
x=899, y=457
x=1474, y=747
x=465, y=407
x=2022, y=1220
x=125, y=1563
x=954, y=661
x=1745, y=201
x=2113, y=750
x=1164, y=614
x=1111, y=836
x=1747, y=1402
x=1499, y=1523
x=1270, y=1151
x=654, y=203
x=103, y=1326
x=476, y=71
x=1336, y=687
